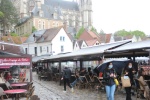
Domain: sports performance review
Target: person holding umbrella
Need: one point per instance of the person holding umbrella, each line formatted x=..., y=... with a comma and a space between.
x=109, y=75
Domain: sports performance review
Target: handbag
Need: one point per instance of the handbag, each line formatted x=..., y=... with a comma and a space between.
x=116, y=81
x=125, y=81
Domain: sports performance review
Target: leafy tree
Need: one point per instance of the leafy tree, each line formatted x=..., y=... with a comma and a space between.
x=26, y=35
x=102, y=32
x=33, y=29
x=127, y=33
x=10, y=15
x=80, y=32
x=1, y=14
x=94, y=30
x=14, y=34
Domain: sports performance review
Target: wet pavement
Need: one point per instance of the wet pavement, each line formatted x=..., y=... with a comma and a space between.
x=50, y=90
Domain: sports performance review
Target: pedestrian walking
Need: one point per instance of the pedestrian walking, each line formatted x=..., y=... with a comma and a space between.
x=109, y=75
x=129, y=71
x=66, y=78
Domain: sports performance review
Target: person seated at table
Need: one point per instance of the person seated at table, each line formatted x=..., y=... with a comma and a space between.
x=76, y=73
x=81, y=74
x=2, y=80
x=8, y=76
x=90, y=73
x=142, y=84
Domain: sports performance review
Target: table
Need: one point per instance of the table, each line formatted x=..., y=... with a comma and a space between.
x=18, y=84
x=15, y=92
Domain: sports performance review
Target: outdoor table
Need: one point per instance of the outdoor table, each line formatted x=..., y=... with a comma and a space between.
x=18, y=84
x=15, y=92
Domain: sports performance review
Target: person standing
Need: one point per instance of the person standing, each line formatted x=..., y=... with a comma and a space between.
x=66, y=78
x=129, y=71
x=109, y=75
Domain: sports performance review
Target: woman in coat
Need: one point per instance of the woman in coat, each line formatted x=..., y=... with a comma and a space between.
x=129, y=71
x=109, y=75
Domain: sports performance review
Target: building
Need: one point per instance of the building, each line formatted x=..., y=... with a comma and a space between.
x=74, y=14
x=91, y=38
x=26, y=26
x=48, y=42
x=79, y=44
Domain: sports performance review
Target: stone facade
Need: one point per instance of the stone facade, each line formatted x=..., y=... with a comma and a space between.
x=74, y=14
x=39, y=23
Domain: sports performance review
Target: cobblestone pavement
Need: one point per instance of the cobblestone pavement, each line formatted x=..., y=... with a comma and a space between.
x=50, y=90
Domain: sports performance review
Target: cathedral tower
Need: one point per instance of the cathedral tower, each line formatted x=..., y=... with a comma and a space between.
x=85, y=7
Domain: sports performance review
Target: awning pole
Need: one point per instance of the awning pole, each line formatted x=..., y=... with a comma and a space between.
x=149, y=57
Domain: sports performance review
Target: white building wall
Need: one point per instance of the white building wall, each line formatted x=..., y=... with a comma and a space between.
x=56, y=43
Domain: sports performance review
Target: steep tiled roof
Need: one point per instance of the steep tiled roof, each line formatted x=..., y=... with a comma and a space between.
x=91, y=42
x=105, y=38
x=36, y=34
x=11, y=48
x=49, y=34
x=62, y=4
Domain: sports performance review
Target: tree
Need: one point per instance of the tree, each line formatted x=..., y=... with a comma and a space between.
x=94, y=30
x=33, y=29
x=10, y=15
x=131, y=33
x=1, y=14
x=13, y=34
x=102, y=32
x=81, y=30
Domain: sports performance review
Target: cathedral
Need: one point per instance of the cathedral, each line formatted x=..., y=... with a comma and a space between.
x=74, y=13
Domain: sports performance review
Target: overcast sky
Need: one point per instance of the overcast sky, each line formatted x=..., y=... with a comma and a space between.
x=113, y=15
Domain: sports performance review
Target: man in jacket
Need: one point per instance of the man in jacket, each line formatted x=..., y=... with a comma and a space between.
x=66, y=77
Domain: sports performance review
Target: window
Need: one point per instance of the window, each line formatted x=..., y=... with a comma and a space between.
x=47, y=49
x=40, y=49
x=60, y=38
x=39, y=25
x=26, y=50
x=35, y=50
x=62, y=48
x=63, y=38
x=43, y=25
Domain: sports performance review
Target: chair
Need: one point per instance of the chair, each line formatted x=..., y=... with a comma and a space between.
x=82, y=83
x=90, y=83
x=98, y=83
x=2, y=93
x=34, y=97
x=29, y=93
x=8, y=85
x=143, y=89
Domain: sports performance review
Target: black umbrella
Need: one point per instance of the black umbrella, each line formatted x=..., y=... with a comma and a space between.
x=117, y=65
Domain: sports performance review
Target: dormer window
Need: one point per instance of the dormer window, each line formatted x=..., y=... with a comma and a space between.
x=54, y=15
x=41, y=13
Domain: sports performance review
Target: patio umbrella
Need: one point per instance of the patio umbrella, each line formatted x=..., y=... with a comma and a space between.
x=117, y=65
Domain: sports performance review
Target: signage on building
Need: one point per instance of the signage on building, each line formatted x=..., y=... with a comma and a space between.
x=14, y=61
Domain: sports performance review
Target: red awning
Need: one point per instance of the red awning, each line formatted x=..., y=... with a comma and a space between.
x=5, y=67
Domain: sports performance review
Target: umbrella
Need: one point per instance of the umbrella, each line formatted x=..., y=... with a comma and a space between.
x=117, y=65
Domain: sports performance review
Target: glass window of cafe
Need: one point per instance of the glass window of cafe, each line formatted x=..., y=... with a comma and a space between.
x=16, y=74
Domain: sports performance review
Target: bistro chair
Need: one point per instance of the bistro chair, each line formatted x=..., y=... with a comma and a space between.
x=2, y=94
x=143, y=88
x=8, y=85
x=34, y=97
x=90, y=83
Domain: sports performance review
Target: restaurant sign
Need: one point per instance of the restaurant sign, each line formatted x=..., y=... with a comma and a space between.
x=14, y=61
